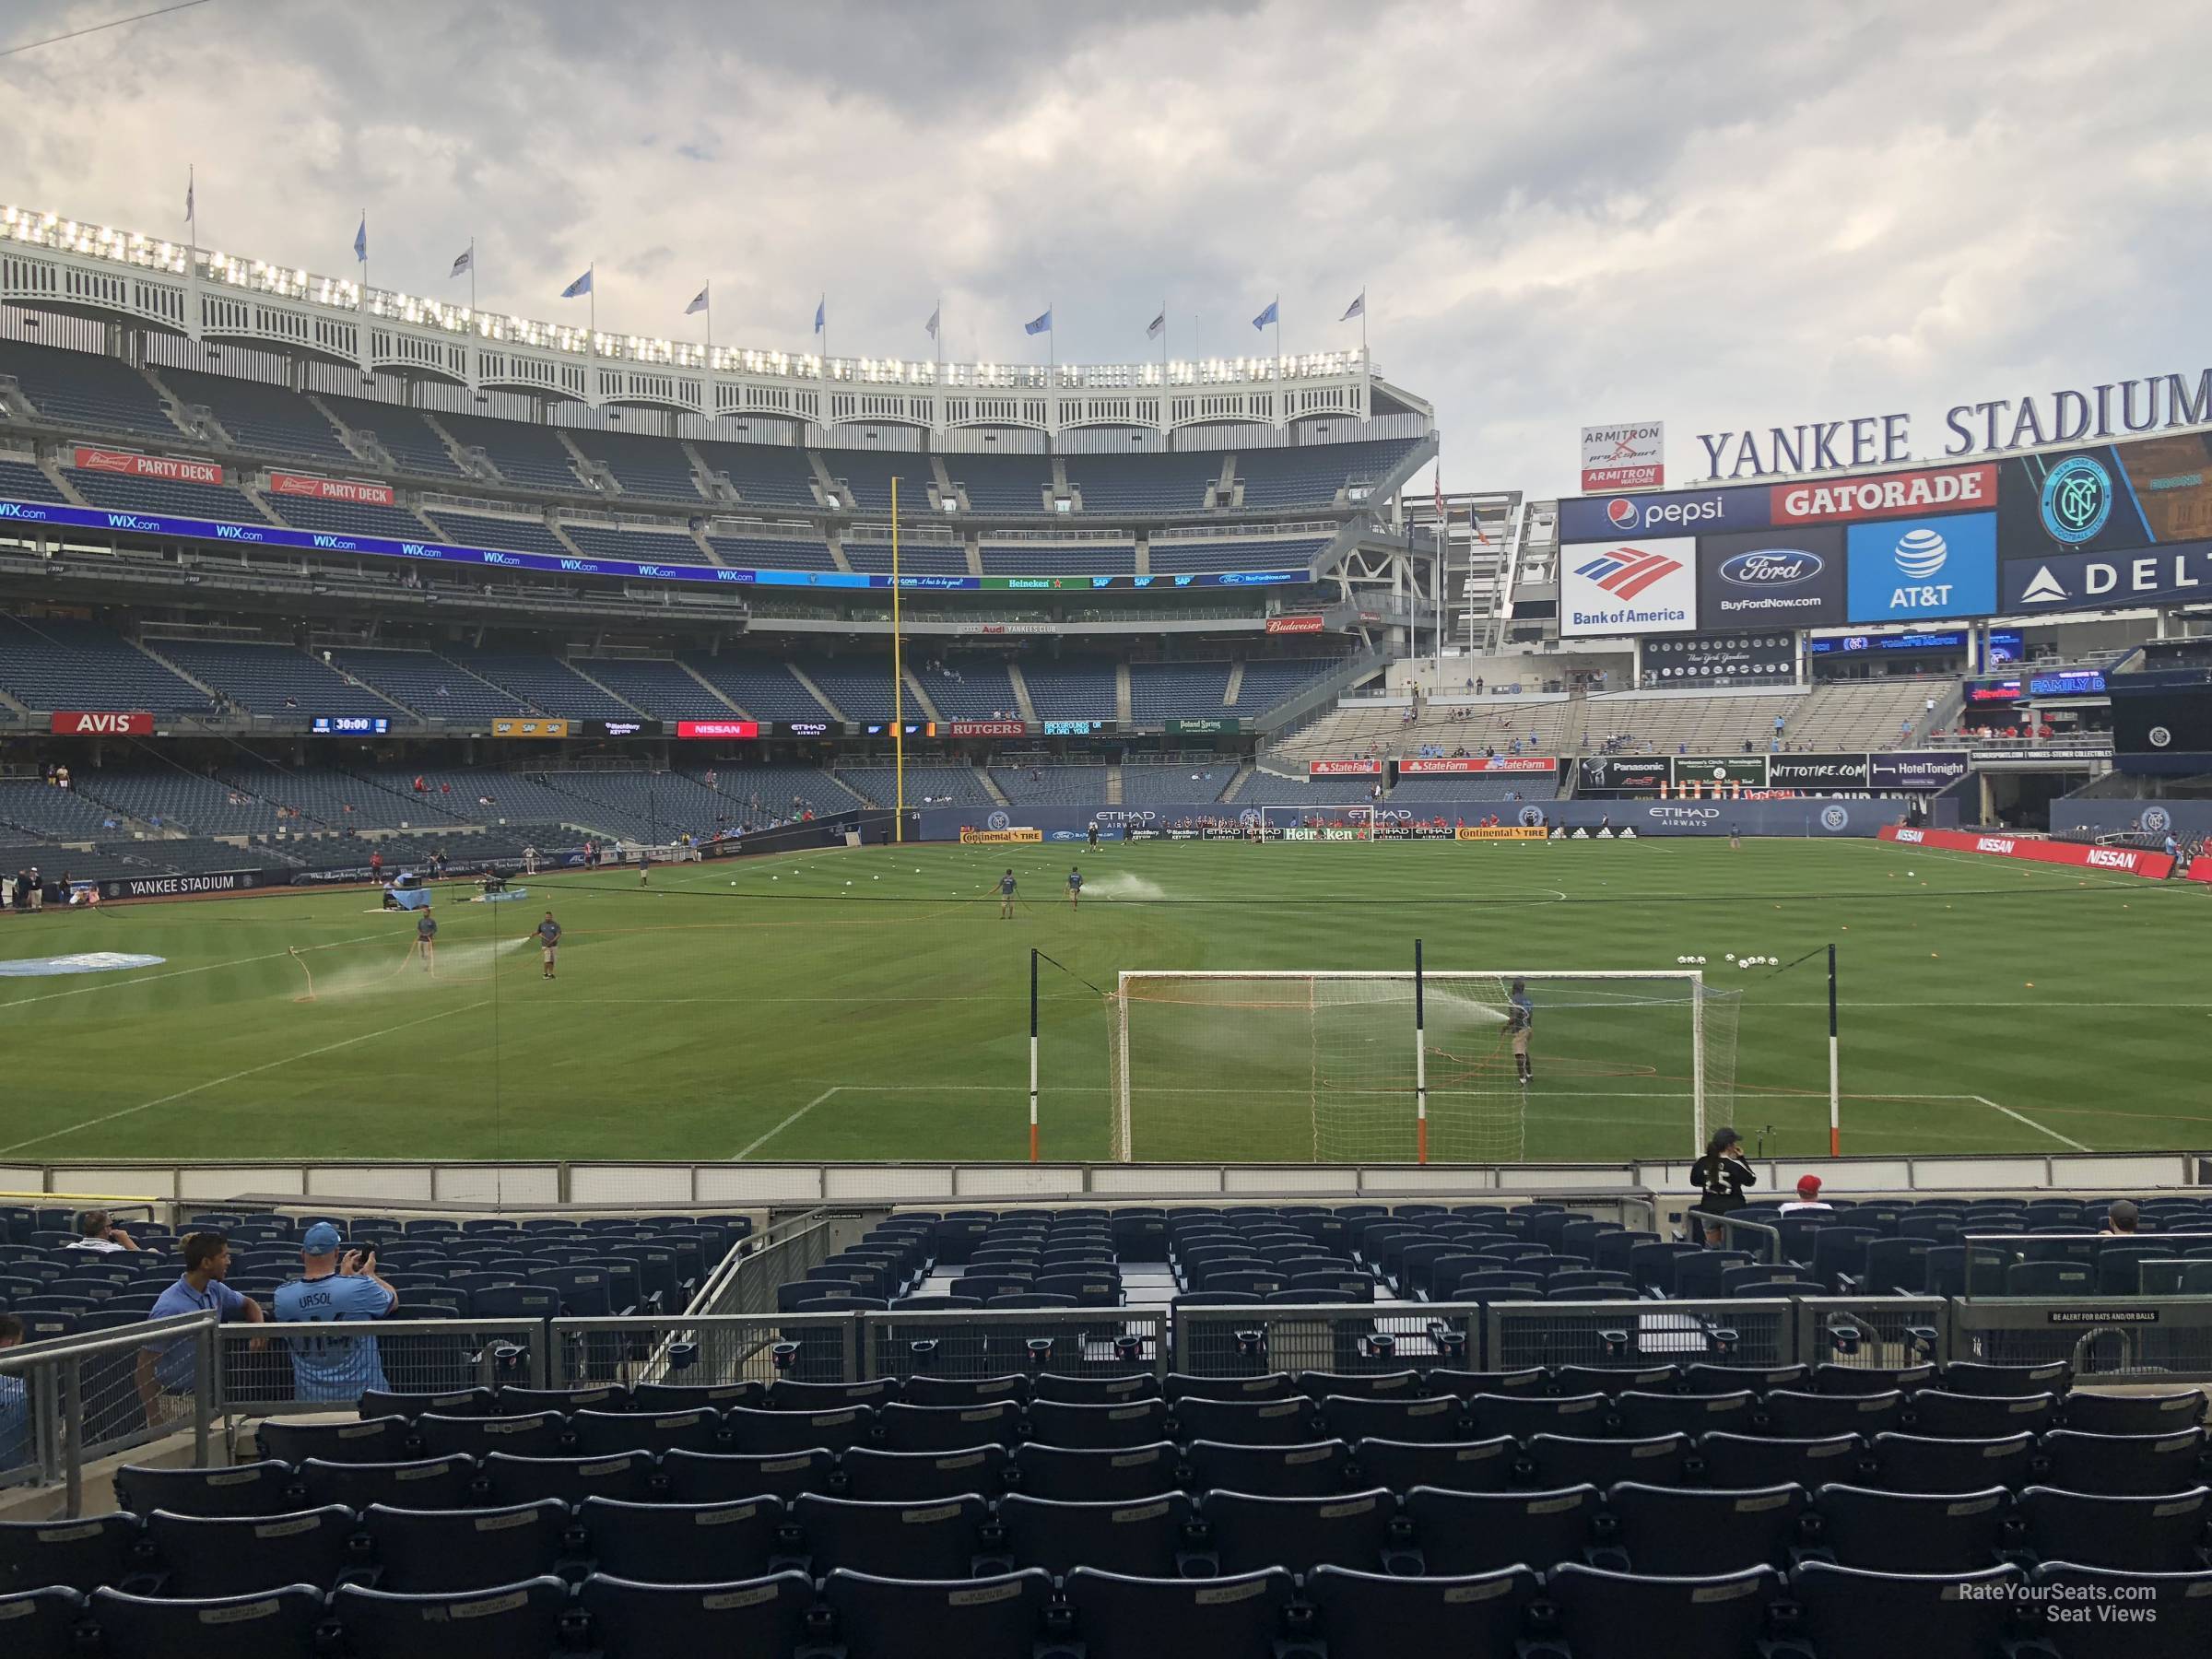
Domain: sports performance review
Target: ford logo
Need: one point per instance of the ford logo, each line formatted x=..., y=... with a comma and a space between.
x=1771, y=566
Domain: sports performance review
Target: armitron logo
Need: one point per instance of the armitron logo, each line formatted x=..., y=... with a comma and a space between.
x=1991, y=843
x=1627, y=571
x=2111, y=858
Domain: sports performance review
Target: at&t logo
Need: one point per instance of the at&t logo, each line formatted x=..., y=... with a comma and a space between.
x=2077, y=499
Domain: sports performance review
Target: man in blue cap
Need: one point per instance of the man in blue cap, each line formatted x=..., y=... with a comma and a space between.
x=333, y=1368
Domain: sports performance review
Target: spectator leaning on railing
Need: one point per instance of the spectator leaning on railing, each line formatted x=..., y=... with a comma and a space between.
x=165, y=1369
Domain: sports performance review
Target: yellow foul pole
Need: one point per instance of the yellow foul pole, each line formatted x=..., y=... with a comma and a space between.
x=898, y=683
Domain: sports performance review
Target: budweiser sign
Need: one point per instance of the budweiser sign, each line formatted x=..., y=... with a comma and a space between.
x=331, y=489
x=1294, y=625
x=1477, y=763
x=100, y=723
x=133, y=465
x=1338, y=768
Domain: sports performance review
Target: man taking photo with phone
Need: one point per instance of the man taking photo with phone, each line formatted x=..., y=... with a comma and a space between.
x=329, y=1288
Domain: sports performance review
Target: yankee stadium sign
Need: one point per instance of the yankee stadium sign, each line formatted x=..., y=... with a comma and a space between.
x=2116, y=409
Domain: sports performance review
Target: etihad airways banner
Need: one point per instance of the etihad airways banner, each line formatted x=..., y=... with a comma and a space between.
x=2127, y=861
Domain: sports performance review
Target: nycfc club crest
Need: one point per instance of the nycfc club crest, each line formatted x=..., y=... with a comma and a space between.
x=1835, y=817
x=998, y=820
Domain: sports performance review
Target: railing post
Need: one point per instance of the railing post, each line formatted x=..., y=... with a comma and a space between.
x=849, y=1336
x=206, y=1377
x=538, y=1343
x=73, y=1428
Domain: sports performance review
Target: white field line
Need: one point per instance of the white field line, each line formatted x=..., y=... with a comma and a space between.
x=754, y=1146
x=328, y=1048
x=2023, y=1117
x=117, y=984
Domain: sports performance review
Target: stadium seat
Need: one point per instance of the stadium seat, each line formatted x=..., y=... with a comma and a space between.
x=1973, y=1377
x=1095, y=1390
x=255, y=1488
x=762, y=1433
x=2050, y=1279
x=2123, y=1465
x=527, y=1402
x=788, y=1394
x=1272, y=1385
x=630, y=1620
x=605, y=1433
x=1454, y=1465
x=1619, y=1613
x=2169, y=1614
x=949, y=1427
x=376, y=1439
x=2133, y=1414
x=921, y=1476
x=1283, y=1422
x=1904, y=1532
x=1118, y=1618
x=963, y=1391
x=539, y=1434
x=1350, y=1530
x=1119, y=1476
x=1303, y=1471
x=1832, y=1379
x=719, y=1477
x=41, y=1624
x=1687, y=1534
x=2164, y=1533
x=521, y=1617
x=681, y=1396
x=681, y=1544
x=938, y=1540
x=1369, y=1616
x=425, y=1484
x=1099, y=1428
x=1640, y=1415
x=434, y=1552
x=1853, y=1614
x=1433, y=1420
x=1461, y=1533
x=1466, y=1385
x=519, y=1480
x=1523, y=1415
x=1942, y=1415
x=268, y=1625
x=1560, y=1460
x=80, y=1553
x=203, y=1557
x=1145, y=1538
x=900, y=1619
x=1911, y=1463
x=1796, y=1416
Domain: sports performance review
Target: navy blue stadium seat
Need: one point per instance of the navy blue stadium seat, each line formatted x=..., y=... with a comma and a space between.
x=1070, y=1476
x=1798, y=1416
x=1145, y=1538
x=2133, y=1414
x=423, y=1483
x=204, y=1556
x=1852, y=1613
x=374, y=1440
x=2157, y=1533
x=1912, y=1463
x=638, y=1620
x=919, y=1390
x=1350, y=1530
x=1271, y=1385
x=603, y=1433
x=536, y=1434
x=519, y=1617
x=1118, y=1618
x=1913, y=1532
x=1456, y=1465
x=691, y=1397
x=268, y=1625
x=434, y=1552
x=1946, y=1416
x=1283, y=1422
x=761, y=1432
x=1684, y=1534
x=681, y=1543
x=1639, y=1415
x=1974, y=1377
x=2170, y=1613
x=1141, y=1423
x=1871, y=1379
x=1560, y=1460
x=1270, y=1471
x=80, y=1553
x=920, y=1477
x=1523, y=1415
x=949, y=1427
x=1466, y=1385
x=255, y=1488
x=928, y=1541
x=41, y=1624
x=1740, y=1459
x=1459, y=1533
x=1434, y=1420
x=788, y=1394
x=2123, y=1465
x=1369, y=1616
x=1608, y=1613
x=512, y=1480
x=878, y=1618
x=717, y=1477
x=1095, y=1390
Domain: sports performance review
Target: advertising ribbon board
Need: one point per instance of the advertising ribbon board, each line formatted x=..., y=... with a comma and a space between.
x=999, y=836
x=1493, y=832
x=2131, y=861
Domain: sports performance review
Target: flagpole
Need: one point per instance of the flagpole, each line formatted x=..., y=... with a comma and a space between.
x=191, y=256
x=709, y=291
x=897, y=685
x=472, y=278
x=1163, y=356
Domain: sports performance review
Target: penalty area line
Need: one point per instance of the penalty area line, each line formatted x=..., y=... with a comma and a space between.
x=754, y=1146
x=2023, y=1117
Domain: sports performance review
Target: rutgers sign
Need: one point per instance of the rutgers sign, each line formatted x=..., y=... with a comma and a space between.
x=133, y=465
x=981, y=728
x=91, y=723
x=2131, y=861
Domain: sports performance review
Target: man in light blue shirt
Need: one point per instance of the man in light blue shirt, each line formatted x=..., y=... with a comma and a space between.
x=165, y=1367
x=333, y=1368
x=15, y=1404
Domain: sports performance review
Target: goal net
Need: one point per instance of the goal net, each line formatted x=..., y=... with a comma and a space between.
x=1346, y=1067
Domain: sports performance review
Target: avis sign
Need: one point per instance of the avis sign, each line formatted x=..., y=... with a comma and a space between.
x=1632, y=456
x=94, y=722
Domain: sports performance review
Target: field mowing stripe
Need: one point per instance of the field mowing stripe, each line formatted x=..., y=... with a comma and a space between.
x=2023, y=1117
x=751, y=1147
x=20, y=1002
x=328, y=1048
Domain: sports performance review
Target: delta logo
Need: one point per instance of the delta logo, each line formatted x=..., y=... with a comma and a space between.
x=1626, y=572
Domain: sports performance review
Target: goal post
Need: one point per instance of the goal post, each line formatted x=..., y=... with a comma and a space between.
x=1405, y=1065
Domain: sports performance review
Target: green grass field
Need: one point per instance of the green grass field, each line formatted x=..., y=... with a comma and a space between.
x=871, y=1005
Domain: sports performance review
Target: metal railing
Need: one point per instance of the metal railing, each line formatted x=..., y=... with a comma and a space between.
x=259, y=1374
x=88, y=1396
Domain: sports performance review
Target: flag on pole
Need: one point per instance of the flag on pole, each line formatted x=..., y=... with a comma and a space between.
x=1441, y=517
x=1157, y=326
x=821, y=313
x=360, y=241
x=190, y=181
x=465, y=262
x=1039, y=325
x=1272, y=314
x=930, y=327
x=697, y=304
x=1357, y=308
x=578, y=288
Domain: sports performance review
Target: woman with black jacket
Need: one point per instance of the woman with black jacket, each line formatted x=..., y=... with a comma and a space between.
x=1721, y=1177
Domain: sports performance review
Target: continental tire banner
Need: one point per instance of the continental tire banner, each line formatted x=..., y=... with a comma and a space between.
x=999, y=836
x=2131, y=861
x=1503, y=832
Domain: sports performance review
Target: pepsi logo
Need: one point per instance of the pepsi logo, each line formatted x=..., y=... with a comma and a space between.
x=1621, y=512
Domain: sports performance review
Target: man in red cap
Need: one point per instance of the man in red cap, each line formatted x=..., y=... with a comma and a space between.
x=1808, y=1197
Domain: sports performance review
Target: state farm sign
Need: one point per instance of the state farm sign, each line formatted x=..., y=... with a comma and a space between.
x=1339, y=769
x=2129, y=859
x=1477, y=763
x=92, y=722
x=331, y=489
x=133, y=465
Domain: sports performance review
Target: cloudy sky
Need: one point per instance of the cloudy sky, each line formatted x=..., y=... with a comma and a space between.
x=1715, y=215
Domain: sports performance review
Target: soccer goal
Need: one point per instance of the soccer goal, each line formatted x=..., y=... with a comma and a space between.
x=1396, y=1067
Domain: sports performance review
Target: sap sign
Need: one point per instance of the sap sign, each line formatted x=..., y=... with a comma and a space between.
x=1643, y=587
x=1684, y=513
x=1901, y=570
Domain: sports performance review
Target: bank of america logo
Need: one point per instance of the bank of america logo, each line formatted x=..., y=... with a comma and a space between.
x=1626, y=572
